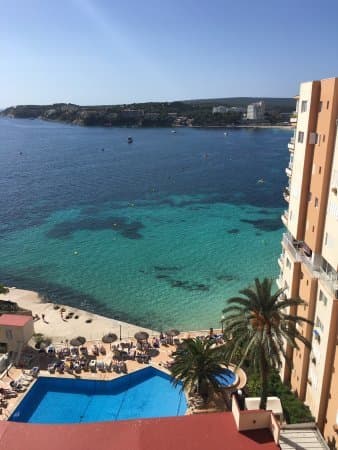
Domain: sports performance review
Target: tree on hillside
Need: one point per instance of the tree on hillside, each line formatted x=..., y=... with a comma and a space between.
x=3, y=289
x=258, y=324
x=196, y=364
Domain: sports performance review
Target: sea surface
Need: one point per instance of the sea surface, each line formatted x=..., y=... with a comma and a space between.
x=160, y=232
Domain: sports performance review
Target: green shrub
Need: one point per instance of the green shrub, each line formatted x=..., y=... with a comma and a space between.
x=294, y=409
x=3, y=289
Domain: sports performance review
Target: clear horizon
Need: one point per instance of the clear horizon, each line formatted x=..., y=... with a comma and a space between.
x=92, y=52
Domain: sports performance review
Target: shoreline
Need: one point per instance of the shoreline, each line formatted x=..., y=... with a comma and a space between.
x=59, y=329
x=250, y=126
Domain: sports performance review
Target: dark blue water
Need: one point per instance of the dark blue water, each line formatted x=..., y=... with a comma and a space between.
x=159, y=232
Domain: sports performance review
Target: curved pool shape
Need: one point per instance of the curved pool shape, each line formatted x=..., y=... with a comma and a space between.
x=227, y=378
x=142, y=394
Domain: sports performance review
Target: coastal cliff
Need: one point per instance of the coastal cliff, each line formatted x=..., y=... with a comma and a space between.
x=161, y=114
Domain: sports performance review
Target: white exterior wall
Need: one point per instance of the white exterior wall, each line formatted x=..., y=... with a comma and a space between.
x=330, y=239
x=16, y=337
x=299, y=157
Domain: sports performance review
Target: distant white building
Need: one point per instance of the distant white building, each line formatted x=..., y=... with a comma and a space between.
x=256, y=111
x=219, y=109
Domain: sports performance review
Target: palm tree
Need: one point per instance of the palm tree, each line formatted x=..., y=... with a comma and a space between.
x=196, y=364
x=258, y=324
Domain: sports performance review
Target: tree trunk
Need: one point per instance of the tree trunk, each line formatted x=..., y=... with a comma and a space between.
x=264, y=381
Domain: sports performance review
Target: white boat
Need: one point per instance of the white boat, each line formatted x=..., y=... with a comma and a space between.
x=173, y=131
x=225, y=134
x=130, y=139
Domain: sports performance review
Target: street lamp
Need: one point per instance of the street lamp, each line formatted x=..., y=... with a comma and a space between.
x=222, y=322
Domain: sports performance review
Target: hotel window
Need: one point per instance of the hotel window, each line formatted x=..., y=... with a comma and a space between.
x=319, y=324
x=327, y=104
x=309, y=197
x=322, y=298
x=9, y=335
x=317, y=140
x=320, y=170
x=320, y=106
x=323, y=138
x=300, y=136
x=303, y=107
x=316, y=202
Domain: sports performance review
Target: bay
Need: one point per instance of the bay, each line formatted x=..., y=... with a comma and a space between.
x=159, y=232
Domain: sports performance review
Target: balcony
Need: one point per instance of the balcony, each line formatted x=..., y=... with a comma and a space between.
x=291, y=146
x=285, y=217
x=281, y=262
x=280, y=282
x=293, y=121
x=288, y=172
x=286, y=194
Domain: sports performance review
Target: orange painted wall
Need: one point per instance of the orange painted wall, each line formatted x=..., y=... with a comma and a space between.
x=322, y=161
x=308, y=293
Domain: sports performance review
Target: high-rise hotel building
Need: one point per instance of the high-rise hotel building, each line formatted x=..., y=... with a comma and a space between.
x=309, y=259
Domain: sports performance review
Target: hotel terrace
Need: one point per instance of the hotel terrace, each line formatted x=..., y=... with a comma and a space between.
x=309, y=259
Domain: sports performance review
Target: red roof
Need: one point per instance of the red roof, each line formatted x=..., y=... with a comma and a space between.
x=14, y=320
x=195, y=432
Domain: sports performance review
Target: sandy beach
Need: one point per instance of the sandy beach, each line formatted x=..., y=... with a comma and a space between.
x=59, y=328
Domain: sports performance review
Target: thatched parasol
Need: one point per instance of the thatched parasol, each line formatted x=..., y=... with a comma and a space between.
x=109, y=338
x=141, y=336
x=173, y=332
x=76, y=342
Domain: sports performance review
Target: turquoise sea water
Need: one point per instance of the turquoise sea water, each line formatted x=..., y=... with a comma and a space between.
x=159, y=233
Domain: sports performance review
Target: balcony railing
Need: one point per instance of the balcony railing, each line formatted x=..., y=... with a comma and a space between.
x=285, y=217
x=297, y=250
x=281, y=262
x=286, y=196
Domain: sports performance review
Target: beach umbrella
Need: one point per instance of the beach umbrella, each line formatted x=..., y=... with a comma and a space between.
x=173, y=332
x=141, y=336
x=75, y=342
x=109, y=338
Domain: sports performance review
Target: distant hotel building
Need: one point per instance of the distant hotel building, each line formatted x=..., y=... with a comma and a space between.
x=256, y=111
x=309, y=259
x=225, y=109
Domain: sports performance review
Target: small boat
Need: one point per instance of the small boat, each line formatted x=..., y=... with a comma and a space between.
x=225, y=134
x=173, y=131
x=130, y=140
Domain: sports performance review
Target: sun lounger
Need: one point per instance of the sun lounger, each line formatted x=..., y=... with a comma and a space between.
x=92, y=365
x=51, y=368
x=34, y=371
x=100, y=365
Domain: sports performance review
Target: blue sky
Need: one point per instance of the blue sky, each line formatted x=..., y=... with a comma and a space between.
x=107, y=51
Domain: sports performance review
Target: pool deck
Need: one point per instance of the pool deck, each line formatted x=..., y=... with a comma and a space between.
x=159, y=361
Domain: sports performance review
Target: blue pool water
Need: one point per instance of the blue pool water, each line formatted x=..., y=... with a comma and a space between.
x=227, y=378
x=143, y=394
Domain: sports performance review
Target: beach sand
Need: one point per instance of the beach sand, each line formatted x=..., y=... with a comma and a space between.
x=59, y=328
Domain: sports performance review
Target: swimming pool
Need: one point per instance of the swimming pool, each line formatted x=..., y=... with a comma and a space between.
x=227, y=378
x=142, y=394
